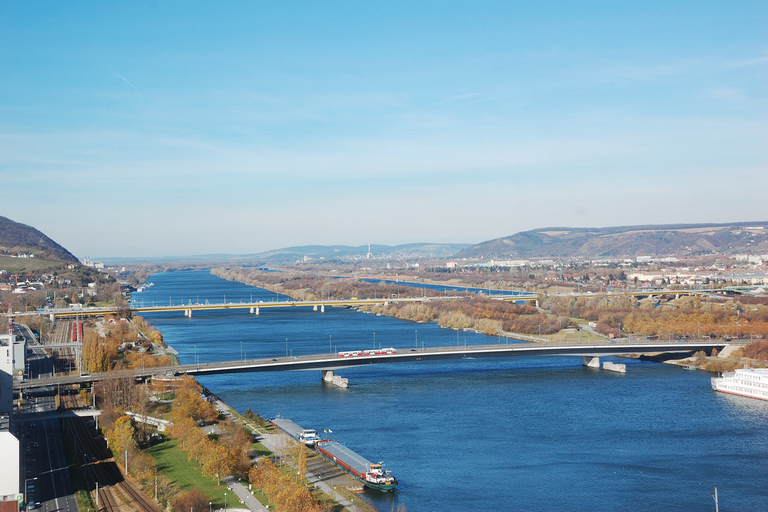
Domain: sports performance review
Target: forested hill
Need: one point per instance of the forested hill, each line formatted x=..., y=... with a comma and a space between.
x=627, y=241
x=17, y=238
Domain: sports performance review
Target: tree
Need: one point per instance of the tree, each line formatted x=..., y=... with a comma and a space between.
x=217, y=462
x=301, y=463
x=121, y=435
x=193, y=500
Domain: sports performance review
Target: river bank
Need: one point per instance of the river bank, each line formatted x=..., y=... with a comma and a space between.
x=321, y=474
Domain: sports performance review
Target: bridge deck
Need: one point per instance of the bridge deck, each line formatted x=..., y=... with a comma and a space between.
x=334, y=362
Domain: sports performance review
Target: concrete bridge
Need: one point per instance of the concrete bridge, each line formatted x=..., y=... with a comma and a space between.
x=329, y=362
x=253, y=307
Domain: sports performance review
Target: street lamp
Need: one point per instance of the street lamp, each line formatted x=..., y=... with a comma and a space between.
x=225, y=502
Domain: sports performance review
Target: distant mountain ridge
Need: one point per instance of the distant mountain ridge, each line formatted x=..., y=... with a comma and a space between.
x=628, y=241
x=330, y=252
x=17, y=238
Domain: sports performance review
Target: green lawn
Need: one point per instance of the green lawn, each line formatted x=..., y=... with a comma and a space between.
x=28, y=264
x=187, y=474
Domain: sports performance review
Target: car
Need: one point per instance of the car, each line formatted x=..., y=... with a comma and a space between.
x=31, y=505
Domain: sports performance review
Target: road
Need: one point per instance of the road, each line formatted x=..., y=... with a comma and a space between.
x=43, y=463
x=47, y=480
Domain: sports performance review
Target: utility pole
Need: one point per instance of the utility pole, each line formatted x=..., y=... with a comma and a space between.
x=714, y=496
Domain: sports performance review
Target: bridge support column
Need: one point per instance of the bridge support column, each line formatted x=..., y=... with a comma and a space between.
x=257, y=310
x=314, y=308
x=52, y=317
x=328, y=376
x=322, y=308
x=251, y=310
x=188, y=312
x=591, y=361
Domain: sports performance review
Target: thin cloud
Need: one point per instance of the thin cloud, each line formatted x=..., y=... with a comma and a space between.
x=129, y=83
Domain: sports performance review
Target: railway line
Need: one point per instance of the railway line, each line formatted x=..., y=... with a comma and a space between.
x=101, y=473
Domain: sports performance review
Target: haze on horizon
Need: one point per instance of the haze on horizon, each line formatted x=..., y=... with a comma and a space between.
x=171, y=129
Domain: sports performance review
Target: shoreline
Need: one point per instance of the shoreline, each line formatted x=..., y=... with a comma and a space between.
x=319, y=466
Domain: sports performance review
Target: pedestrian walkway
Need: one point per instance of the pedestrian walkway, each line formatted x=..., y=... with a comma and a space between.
x=244, y=495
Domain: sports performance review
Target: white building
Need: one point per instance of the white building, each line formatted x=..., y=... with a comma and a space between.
x=9, y=444
x=6, y=373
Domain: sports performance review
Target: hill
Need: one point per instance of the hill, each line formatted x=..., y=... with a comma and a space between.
x=17, y=238
x=627, y=241
x=335, y=252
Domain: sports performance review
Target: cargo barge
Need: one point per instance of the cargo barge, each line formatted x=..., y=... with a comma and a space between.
x=366, y=472
x=304, y=435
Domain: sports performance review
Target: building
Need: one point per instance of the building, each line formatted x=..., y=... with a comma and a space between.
x=6, y=374
x=9, y=444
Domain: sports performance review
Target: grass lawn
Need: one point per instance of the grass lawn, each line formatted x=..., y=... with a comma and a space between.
x=261, y=449
x=187, y=475
x=28, y=264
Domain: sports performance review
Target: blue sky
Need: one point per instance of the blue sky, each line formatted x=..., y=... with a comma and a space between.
x=180, y=128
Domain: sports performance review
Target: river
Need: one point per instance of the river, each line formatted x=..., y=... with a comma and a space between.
x=530, y=433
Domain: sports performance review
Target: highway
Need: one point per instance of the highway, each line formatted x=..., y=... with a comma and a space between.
x=44, y=466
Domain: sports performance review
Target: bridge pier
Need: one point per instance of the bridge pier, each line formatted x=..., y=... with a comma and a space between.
x=188, y=313
x=328, y=376
x=254, y=310
x=322, y=308
x=590, y=361
x=314, y=308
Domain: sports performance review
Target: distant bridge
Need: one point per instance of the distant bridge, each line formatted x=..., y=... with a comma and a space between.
x=253, y=307
x=404, y=355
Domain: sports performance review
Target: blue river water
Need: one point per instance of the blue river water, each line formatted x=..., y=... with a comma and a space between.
x=528, y=433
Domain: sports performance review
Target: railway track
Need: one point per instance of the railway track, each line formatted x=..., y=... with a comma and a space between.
x=114, y=492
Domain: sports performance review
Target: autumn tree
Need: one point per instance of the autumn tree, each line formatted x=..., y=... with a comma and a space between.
x=301, y=462
x=217, y=462
x=120, y=436
x=194, y=501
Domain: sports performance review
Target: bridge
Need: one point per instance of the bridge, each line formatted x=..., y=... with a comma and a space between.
x=330, y=362
x=253, y=307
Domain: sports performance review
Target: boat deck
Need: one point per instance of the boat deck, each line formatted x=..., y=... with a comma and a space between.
x=352, y=459
x=288, y=426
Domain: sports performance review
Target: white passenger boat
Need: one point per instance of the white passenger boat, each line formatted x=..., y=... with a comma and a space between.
x=749, y=382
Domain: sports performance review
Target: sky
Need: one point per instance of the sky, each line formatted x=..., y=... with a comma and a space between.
x=148, y=129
